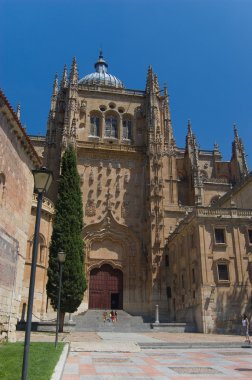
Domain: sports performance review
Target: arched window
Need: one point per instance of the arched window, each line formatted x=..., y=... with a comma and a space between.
x=41, y=249
x=127, y=129
x=111, y=129
x=94, y=125
x=2, y=186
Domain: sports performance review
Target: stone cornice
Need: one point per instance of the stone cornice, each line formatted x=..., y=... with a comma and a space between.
x=219, y=214
x=109, y=147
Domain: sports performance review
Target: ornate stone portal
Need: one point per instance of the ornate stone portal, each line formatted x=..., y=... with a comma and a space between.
x=116, y=245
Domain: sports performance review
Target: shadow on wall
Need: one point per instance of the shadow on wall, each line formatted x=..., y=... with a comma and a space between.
x=230, y=304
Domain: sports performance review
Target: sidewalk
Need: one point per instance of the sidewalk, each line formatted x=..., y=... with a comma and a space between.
x=150, y=337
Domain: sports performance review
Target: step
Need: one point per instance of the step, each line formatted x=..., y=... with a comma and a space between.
x=92, y=320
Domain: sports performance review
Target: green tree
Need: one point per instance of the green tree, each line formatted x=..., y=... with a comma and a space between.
x=66, y=237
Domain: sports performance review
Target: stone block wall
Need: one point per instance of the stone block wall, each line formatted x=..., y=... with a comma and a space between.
x=17, y=159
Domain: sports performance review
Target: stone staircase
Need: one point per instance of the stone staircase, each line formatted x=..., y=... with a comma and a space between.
x=92, y=320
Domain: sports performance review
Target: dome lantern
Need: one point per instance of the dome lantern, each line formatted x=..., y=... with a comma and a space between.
x=101, y=77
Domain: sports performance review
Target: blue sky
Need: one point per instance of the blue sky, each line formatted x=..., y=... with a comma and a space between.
x=201, y=48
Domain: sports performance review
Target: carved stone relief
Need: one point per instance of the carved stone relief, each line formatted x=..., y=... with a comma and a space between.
x=90, y=209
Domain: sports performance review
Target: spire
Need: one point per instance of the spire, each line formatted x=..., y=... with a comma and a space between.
x=189, y=129
x=55, y=85
x=150, y=80
x=74, y=72
x=54, y=93
x=156, y=84
x=18, y=112
x=238, y=153
x=235, y=145
x=64, y=82
x=191, y=143
x=235, y=132
x=169, y=137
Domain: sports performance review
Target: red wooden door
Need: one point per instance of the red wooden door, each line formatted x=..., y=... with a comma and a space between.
x=106, y=288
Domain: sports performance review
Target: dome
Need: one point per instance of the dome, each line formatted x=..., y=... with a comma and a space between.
x=101, y=77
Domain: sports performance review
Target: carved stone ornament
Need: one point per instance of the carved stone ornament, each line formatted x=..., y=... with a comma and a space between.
x=83, y=106
x=125, y=210
x=90, y=209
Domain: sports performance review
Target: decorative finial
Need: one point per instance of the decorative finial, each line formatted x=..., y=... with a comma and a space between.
x=165, y=90
x=64, y=82
x=216, y=147
x=100, y=54
x=74, y=72
x=235, y=131
x=18, y=112
x=189, y=128
x=55, y=85
x=101, y=65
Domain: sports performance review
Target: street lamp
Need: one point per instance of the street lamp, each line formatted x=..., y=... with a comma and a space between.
x=42, y=181
x=61, y=260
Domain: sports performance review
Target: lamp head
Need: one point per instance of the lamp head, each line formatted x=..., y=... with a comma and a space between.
x=61, y=257
x=42, y=179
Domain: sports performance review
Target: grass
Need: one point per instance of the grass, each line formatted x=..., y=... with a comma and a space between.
x=43, y=358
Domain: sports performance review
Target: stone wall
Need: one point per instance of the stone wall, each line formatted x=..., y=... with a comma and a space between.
x=17, y=158
x=8, y=298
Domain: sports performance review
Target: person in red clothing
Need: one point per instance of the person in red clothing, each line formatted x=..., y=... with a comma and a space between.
x=112, y=316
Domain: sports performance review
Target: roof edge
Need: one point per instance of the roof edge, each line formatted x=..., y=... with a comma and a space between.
x=33, y=156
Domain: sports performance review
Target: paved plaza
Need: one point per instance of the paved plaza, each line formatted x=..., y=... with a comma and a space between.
x=160, y=365
x=153, y=355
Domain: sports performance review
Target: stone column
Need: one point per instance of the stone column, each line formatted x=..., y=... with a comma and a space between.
x=120, y=132
x=102, y=129
x=157, y=314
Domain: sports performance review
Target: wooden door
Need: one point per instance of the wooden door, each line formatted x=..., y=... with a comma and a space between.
x=104, y=282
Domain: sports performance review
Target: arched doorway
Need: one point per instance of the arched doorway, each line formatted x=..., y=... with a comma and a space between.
x=106, y=288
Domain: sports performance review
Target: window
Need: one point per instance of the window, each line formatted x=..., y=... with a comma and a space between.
x=2, y=186
x=192, y=241
x=168, y=292
x=193, y=276
x=95, y=124
x=183, y=281
x=111, y=126
x=127, y=129
x=167, y=263
x=41, y=249
x=219, y=234
x=223, y=272
x=250, y=236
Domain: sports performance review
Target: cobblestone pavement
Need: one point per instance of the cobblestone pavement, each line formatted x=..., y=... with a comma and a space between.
x=175, y=364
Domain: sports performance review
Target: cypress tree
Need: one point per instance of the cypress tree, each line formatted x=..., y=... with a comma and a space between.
x=66, y=237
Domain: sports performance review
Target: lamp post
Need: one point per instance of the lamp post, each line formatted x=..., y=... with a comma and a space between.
x=42, y=182
x=61, y=260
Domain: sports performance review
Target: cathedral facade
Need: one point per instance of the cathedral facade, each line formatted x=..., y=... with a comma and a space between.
x=138, y=187
x=163, y=225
